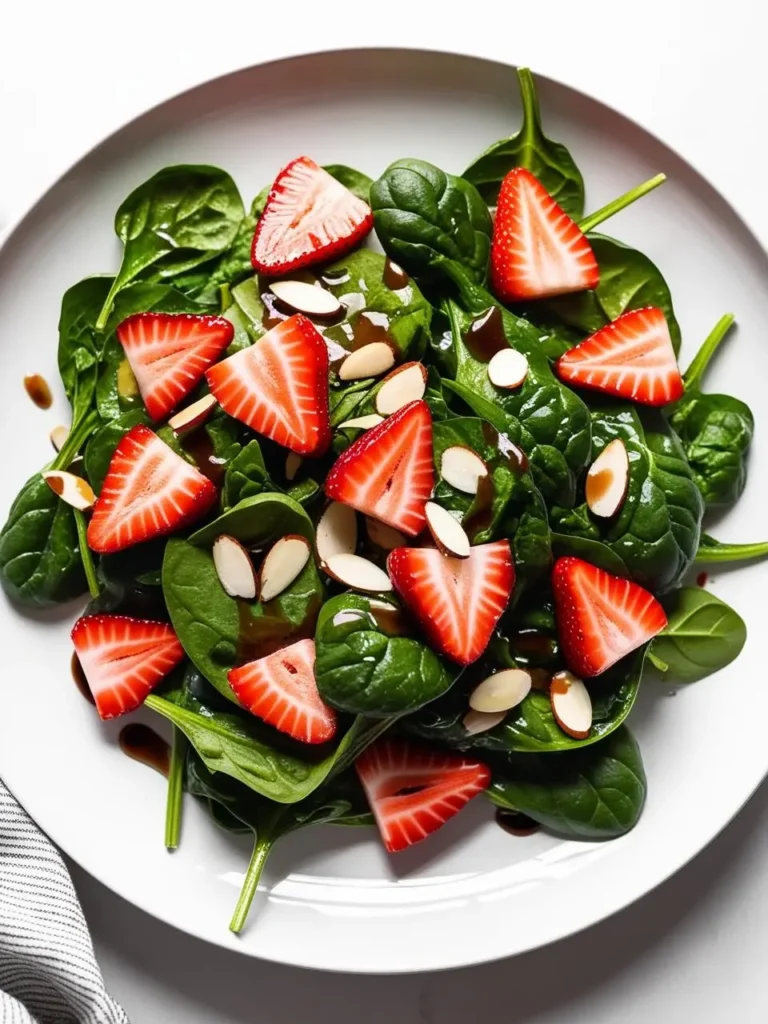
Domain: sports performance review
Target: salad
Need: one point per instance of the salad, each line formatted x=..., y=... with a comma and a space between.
x=381, y=532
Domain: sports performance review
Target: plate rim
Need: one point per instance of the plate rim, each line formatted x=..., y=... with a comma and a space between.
x=15, y=228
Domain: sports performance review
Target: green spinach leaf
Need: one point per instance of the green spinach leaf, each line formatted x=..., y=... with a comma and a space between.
x=549, y=161
x=588, y=794
x=703, y=634
x=246, y=476
x=362, y=669
x=423, y=215
x=177, y=219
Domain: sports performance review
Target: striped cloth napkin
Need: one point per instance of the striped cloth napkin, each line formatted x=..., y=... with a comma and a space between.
x=48, y=972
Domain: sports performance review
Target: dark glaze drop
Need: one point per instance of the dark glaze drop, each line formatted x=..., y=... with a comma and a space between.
x=485, y=336
x=515, y=457
x=531, y=646
x=481, y=514
x=79, y=678
x=38, y=390
x=515, y=823
x=143, y=744
x=394, y=276
x=261, y=635
x=199, y=445
x=701, y=579
x=369, y=326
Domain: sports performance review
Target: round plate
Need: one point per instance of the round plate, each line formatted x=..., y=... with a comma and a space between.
x=332, y=898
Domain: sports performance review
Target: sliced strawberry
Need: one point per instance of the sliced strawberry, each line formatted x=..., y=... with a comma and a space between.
x=124, y=659
x=458, y=601
x=149, y=491
x=631, y=358
x=309, y=218
x=279, y=386
x=600, y=617
x=537, y=251
x=170, y=352
x=281, y=689
x=413, y=791
x=388, y=473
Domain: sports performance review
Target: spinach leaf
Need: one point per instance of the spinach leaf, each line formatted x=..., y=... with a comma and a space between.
x=258, y=521
x=628, y=280
x=246, y=476
x=548, y=421
x=549, y=161
x=80, y=345
x=510, y=506
x=362, y=669
x=589, y=794
x=423, y=215
x=591, y=550
x=703, y=634
x=711, y=550
x=531, y=726
x=174, y=221
x=656, y=532
x=359, y=184
x=714, y=430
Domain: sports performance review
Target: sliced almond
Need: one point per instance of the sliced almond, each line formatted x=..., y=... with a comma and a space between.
x=384, y=536
x=358, y=573
x=292, y=465
x=285, y=560
x=508, y=368
x=362, y=422
x=336, y=532
x=608, y=480
x=234, y=567
x=127, y=385
x=306, y=298
x=187, y=419
x=462, y=468
x=369, y=361
x=405, y=384
x=481, y=721
x=58, y=436
x=502, y=691
x=447, y=531
x=70, y=488
x=571, y=705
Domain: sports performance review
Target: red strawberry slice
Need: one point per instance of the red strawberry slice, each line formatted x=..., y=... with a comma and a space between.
x=388, y=473
x=149, y=491
x=279, y=386
x=413, y=791
x=170, y=352
x=281, y=689
x=537, y=251
x=631, y=358
x=600, y=617
x=124, y=659
x=458, y=601
x=309, y=218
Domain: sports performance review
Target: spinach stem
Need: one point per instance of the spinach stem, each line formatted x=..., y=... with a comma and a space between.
x=591, y=222
x=730, y=552
x=531, y=117
x=79, y=433
x=657, y=663
x=175, y=798
x=701, y=360
x=261, y=850
x=85, y=554
x=225, y=297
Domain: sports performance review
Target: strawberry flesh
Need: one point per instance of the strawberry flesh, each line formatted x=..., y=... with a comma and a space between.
x=457, y=601
x=388, y=473
x=600, y=617
x=170, y=352
x=309, y=218
x=279, y=386
x=537, y=251
x=124, y=659
x=281, y=689
x=149, y=491
x=631, y=358
x=413, y=791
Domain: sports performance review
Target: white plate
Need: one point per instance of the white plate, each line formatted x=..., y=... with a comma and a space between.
x=333, y=898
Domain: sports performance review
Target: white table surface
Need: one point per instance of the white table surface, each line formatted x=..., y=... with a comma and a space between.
x=694, y=73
